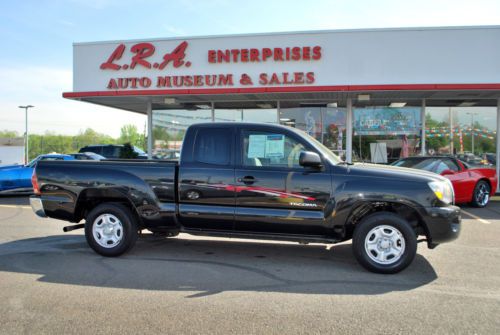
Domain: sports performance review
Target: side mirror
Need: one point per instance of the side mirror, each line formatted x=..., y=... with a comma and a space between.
x=310, y=159
x=447, y=172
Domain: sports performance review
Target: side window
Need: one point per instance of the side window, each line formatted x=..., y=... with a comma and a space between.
x=111, y=151
x=441, y=166
x=270, y=150
x=97, y=150
x=213, y=146
x=427, y=164
x=452, y=165
x=51, y=159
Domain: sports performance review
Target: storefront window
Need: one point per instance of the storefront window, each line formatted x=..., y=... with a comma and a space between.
x=169, y=128
x=473, y=130
x=327, y=125
x=262, y=115
x=334, y=125
x=385, y=134
x=380, y=134
x=307, y=119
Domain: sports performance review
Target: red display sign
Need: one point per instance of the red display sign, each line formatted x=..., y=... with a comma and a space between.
x=141, y=53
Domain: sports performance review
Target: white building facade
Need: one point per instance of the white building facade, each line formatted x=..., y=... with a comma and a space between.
x=347, y=88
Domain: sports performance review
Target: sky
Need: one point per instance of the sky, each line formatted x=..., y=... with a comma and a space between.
x=37, y=38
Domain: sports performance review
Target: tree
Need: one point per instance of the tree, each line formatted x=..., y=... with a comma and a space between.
x=130, y=134
x=9, y=134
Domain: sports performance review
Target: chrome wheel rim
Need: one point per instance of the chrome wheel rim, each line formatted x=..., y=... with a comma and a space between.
x=107, y=230
x=483, y=194
x=385, y=244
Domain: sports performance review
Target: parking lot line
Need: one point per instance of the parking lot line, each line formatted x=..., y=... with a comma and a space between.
x=14, y=206
x=476, y=217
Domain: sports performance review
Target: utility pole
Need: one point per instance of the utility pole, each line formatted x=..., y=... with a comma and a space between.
x=26, y=138
x=451, y=130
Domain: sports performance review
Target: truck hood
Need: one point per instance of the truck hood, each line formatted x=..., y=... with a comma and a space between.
x=393, y=172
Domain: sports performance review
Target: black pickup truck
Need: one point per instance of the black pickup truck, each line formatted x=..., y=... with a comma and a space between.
x=252, y=181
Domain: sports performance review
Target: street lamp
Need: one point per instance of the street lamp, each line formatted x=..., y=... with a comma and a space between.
x=26, y=141
x=472, y=128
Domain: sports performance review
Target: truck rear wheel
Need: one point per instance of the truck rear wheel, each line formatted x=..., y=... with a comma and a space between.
x=384, y=243
x=111, y=229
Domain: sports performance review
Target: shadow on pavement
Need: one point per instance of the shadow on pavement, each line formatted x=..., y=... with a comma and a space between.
x=490, y=212
x=204, y=267
x=22, y=200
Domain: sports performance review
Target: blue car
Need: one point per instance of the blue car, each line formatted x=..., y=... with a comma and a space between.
x=17, y=178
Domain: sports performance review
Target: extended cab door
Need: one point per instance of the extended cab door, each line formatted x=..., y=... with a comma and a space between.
x=206, y=178
x=274, y=194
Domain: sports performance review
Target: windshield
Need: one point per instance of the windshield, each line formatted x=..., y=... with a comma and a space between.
x=333, y=158
x=33, y=162
x=417, y=163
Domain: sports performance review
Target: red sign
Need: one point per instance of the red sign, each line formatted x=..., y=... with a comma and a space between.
x=142, y=52
x=264, y=54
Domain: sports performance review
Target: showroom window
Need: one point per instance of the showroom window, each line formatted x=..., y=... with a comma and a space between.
x=169, y=128
x=385, y=134
x=473, y=130
x=325, y=124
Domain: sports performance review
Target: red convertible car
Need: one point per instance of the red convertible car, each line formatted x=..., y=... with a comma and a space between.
x=472, y=185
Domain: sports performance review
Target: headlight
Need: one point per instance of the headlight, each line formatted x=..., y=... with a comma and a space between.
x=443, y=191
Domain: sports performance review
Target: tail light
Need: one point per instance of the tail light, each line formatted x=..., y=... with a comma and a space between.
x=34, y=182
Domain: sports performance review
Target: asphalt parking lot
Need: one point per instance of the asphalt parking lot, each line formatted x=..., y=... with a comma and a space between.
x=51, y=282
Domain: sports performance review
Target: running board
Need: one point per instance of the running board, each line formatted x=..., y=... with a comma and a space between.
x=70, y=228
x=303, y=239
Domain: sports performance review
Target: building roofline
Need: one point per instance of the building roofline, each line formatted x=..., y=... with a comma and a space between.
x=303, y=32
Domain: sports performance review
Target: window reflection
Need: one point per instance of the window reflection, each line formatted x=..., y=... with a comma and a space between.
x=259, y=115
x=169, y=128
x=327, y=125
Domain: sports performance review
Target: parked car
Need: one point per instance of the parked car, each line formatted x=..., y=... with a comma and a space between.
x=167, y=154
x=472, y=160
x=87, y=156
x=490, y=158
x=472, y=185
x=111, y=151
x=17, y=178
x=257, y=181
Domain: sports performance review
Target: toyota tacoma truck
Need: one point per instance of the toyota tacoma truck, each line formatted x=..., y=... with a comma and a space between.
x=256, y=181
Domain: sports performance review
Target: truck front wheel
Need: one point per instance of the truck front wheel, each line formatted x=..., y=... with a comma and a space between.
x=111, y=229
x=384, y=243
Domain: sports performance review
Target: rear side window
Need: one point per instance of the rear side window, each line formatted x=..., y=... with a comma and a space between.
x=111, y=151
x=96, y=149
x=213, y=146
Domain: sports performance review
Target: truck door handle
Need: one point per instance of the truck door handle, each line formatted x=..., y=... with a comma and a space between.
x=247, y=180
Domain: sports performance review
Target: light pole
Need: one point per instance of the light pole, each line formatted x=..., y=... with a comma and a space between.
x=472, y=128
x=26, y=141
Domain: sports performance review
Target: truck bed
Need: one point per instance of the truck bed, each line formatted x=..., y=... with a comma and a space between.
x=148, y=184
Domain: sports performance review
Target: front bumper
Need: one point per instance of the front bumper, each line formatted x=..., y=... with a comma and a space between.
x=37, y=206
x=443, y=224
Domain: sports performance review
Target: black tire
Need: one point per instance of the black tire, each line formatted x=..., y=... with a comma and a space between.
x=127, y=226
x=371, y=225
x=481, y=195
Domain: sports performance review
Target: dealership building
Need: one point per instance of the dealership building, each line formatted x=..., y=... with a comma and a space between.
x=353, y=90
